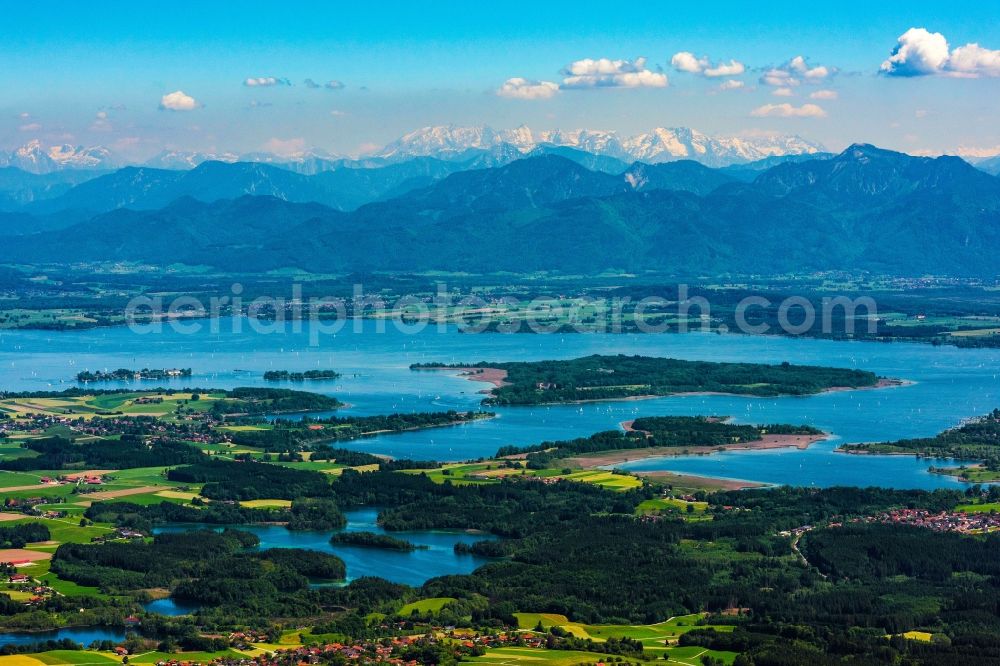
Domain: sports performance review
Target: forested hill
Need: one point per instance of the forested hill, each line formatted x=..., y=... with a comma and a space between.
x=864, y=209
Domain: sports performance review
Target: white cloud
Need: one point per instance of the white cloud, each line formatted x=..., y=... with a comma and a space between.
x=521, y=88
x=823, y=94
x=265, y=82
x=606, y=73
x=178, y=101
x=731, y=84
x=798, y=64
x=333, y=84
x=101, y=122
x=783, y=92
x=787, y=110
x=973, y=60
x=685, y=61
x=24, y=115
x=337, y=113
x=731, y=68
x=919, y=52
x=795, y=72
x=778, y=78
x=30, y=127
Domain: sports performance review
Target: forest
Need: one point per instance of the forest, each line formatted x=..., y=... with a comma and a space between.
x=249, y=480
x=605, y=377
x=127, y=452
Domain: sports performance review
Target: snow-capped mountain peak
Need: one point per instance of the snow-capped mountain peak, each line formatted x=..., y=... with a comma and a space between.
x=36, y=158
x=79, y=157
x=662, y=144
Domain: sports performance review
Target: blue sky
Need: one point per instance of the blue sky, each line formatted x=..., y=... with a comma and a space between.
x=97, y=73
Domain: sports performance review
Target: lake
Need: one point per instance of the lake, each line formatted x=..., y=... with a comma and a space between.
x=407, y=567
x=82, y=635
x=950, y=385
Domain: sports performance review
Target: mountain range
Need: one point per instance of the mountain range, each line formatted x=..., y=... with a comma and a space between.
x=658, y=145
x=863, y=209
x=446, y=142
x=35, y=158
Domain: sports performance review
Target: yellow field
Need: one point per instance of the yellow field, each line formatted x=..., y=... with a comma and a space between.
x=976, y=333
x=266, y=503
x=609, y=480
x=20, y=660
x=176, y=494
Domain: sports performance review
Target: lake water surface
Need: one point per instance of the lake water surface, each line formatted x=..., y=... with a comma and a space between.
x=82, y=635
x=950, y=385
x=408, y=567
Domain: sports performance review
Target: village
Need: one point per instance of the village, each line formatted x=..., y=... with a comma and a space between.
x=396, y=651
x=944, y=521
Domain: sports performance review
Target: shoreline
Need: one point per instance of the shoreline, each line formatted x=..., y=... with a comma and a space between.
x=609, y=458
x=494, y=376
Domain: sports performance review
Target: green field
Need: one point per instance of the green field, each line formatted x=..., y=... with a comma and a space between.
x=494, y=471
x=431, y=605
x=512, y=656
x=653, y=636
x=669, y=504
x=986, y=507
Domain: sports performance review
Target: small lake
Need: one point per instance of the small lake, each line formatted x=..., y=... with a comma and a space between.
x=169, y=607
x=83, y=635
x=407, y=567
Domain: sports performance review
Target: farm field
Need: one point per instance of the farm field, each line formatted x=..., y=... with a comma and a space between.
x=431, y=605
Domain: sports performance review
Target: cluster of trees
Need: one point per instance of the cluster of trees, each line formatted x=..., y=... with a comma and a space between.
x=287, y=375
x=17, y=536
x=603, y=377
x=127, y=452
x=144, y=516
x=253, y=400
x=372, y=540
x=248, y=480
x=124, y=374
x=319, y=514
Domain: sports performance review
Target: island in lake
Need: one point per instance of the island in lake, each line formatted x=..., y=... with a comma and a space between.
x=125, y=375
x=625, y=377
x=373, y=540
x=653, y=436
x=287, y=375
